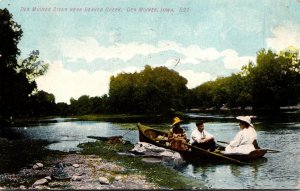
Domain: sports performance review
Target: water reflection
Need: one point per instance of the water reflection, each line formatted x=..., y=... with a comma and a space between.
x=228, y=176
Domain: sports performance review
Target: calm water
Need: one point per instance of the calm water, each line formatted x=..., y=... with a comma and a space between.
x=275, y=171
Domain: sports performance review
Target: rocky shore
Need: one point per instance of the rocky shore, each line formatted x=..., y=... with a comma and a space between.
x=76, y=171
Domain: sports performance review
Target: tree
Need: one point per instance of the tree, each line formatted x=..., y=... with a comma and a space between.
x=153, y=90
x=10, y=35
x=16, y=79
x=32, y=67
x=274, y=81
x=14, y=87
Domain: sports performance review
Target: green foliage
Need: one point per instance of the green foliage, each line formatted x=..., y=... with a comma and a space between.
x=32, y=66
x=273, y=82
x=16, y=79
x=62, y=109
x=89, y=105
x=42, y=104
x=10, y=35
x=13, y=86
x=153, y=90
x=18, y=153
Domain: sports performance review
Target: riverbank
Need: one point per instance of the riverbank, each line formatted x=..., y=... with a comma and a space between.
x=97, y=166
x=75, y=171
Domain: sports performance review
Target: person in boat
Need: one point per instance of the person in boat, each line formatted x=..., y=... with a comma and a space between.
x=177, y=137
x=245, y=140
x=201, y=138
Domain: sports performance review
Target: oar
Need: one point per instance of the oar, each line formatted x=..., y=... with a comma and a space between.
x=267, y=149
x=272, y=150
x=216, y=154
x=223, y=142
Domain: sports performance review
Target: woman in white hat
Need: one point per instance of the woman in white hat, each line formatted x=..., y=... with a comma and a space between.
x=177, y=136
x=243, y=141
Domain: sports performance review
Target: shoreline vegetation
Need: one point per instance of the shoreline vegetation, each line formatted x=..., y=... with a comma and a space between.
x=23, y=121
x=97, y=161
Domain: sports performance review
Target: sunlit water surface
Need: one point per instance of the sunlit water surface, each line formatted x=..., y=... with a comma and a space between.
x=275, y=171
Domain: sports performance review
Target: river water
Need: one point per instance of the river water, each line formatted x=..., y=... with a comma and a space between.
x=274, y=171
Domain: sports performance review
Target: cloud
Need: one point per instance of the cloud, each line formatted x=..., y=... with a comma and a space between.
x=195, y=78
x=284, y=36
x=129, y=69
x=233, y=61
x=89, y=49
x=65, y=84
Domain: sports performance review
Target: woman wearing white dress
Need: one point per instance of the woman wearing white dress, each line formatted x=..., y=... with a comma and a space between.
x=243, y=141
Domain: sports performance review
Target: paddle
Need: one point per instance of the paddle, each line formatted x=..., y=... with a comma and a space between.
x=267, y=149
x=216, y=154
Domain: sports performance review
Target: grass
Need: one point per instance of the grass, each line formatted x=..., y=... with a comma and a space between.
x=19, y=153
x=163, y=176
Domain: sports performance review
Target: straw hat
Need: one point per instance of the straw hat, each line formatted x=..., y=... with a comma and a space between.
x=246, y=119
x=176, y=120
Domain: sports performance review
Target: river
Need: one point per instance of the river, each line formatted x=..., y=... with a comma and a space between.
x=274, y=171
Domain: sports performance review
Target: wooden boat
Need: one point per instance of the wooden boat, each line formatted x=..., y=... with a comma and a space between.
x=159, y=138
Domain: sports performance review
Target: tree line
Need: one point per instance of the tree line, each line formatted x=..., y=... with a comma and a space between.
x=272, y=82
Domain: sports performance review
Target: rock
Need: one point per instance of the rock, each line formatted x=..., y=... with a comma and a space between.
x=22, y=187
x=1, y=188
x=75, y=165
x=118, y=177
x=42, y=187
x=142, y=147
x=40, y=165
x=48, y=178
x=40, y=182
x=76, y=178
x=103, y=180
x=59, y=173
x=152, y=160
x=156, y=154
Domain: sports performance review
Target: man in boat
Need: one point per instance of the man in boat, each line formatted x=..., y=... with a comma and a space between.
x=245, y=140
x=177, y=137
x=201, y=138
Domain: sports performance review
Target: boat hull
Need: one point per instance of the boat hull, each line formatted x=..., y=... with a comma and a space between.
x=158, y=138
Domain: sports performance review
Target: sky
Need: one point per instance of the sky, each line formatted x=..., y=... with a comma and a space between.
x=85, y=42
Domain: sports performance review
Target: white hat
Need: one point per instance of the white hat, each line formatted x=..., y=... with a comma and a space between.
x=246, y=119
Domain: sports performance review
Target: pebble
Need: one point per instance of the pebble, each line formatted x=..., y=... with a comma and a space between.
x=76, y=178
x=38, y=166
x=119, y=177
x=48, y=178
x=22, y=187
x=103, y=180
x=75, y=165
x=40, y=182
x=41, y=187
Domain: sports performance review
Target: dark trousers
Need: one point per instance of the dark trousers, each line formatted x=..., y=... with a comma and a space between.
x=211, y=145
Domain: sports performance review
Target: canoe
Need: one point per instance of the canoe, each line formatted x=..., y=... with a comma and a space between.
x=159, y=138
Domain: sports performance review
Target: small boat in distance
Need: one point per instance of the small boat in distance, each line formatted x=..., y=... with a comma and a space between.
x=159, y=138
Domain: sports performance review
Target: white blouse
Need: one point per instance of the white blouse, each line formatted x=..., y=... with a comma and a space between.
x=196, y=136
x=242, y=142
